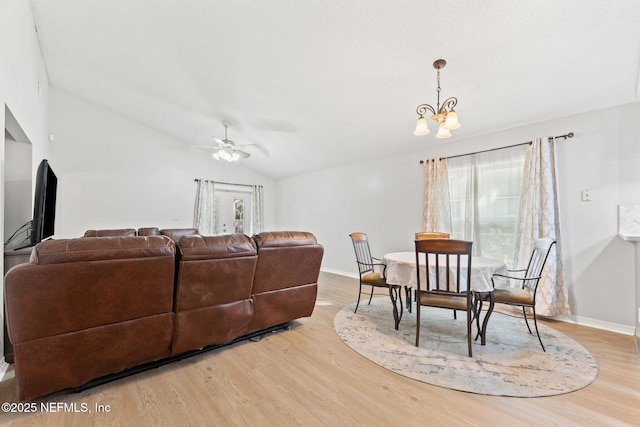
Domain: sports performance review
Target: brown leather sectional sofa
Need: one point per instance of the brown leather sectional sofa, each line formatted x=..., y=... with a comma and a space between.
x=86, y=308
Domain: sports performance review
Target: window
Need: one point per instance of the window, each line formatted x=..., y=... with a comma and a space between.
x=223, y=208
x=238, y=207
x=231, y=205
x=485, y=196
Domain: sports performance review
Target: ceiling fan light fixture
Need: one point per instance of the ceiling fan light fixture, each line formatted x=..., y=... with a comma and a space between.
x=226, y=154
x=227, y=150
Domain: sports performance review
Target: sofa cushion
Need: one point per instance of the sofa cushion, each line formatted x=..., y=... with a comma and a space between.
x=111, y=232
x=176, y=233
x=101, y=249
x=275, y=239
x=213, y=290
x=286, y=259
x=223, y=246
x=148, y=231
x=87, y=282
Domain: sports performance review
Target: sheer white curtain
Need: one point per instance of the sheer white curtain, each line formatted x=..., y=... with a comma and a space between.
x=204, y=212
x=539, y=216
x=485, y=195
x=436, y=214
x=257, y=210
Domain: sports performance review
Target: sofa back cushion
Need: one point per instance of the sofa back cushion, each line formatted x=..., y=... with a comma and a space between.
x=286, y=259
x=110, y=232
x=176, y=233
x=75, y=284
x=148, y=231
x=214, y=270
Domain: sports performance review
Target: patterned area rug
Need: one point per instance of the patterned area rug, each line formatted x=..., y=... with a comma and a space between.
x=511, y=364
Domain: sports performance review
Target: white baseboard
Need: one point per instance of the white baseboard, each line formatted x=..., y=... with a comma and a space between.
x=578, y=320
x=598, y=324
x=340, y=272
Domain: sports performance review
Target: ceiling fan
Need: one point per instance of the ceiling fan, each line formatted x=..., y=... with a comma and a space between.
x=227, y=149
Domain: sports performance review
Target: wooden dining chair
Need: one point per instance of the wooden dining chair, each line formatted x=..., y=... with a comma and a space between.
x=367, y=266
x=524, y=295
x=421, y=235
x=442, y=287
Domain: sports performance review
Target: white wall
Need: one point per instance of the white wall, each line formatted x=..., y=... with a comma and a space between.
x=630, y=178
x=116, y=173
x=18, y=179
x=22, y=72
x=384, y=198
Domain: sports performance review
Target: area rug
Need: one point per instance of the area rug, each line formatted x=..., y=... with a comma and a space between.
x=512, y=362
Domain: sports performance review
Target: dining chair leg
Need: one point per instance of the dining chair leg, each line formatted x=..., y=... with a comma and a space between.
x=393, y=294
x=485, y=322
x=359, y=294
x=535, y=322
x=399, y=298
x=469, y=321
x=371, y=296
x=407, y=291
x=477, y=309
x=417, y=321
x=524, y=313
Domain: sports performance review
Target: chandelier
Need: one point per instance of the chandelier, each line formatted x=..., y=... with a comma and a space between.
x=445, y=116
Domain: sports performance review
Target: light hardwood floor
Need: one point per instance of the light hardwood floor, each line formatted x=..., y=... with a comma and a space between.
x=306, y=376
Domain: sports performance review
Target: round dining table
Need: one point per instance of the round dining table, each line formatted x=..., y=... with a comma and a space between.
x=401, y=270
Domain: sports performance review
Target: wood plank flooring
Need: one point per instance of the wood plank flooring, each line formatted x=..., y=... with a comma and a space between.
x=306, y=376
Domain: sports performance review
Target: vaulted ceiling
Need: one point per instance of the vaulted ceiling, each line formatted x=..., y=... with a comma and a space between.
x=318, y=83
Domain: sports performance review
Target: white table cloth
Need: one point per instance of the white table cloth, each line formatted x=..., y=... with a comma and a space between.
x=401, y=270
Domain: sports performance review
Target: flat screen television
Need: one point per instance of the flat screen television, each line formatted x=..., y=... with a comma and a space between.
x=44, y=204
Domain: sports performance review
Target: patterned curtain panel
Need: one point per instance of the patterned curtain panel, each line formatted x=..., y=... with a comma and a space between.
x=257, y=213
x=204, y=212
x=539, y=216
x=436, y=210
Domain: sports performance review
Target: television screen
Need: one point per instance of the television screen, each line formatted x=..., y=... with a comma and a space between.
x=44, y=204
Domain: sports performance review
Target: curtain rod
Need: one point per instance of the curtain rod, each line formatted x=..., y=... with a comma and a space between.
x=225, y=183
x=565, y=136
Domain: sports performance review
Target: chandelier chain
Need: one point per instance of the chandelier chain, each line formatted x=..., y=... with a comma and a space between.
x=438, y=92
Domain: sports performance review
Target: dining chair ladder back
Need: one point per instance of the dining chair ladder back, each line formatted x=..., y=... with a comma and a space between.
x=421, y=235
x=524, y=295
x=444, y=258
x=367, y=265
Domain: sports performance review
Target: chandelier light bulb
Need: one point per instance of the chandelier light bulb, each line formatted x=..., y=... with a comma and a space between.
x=443, y=132
x=421, y=127
x=451, y=122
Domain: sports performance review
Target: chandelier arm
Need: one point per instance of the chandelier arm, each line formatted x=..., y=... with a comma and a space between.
x=423, y=108
x=448, y=104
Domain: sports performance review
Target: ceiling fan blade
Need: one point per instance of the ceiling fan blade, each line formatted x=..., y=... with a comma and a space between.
x=243, y=154
x=207, y=147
